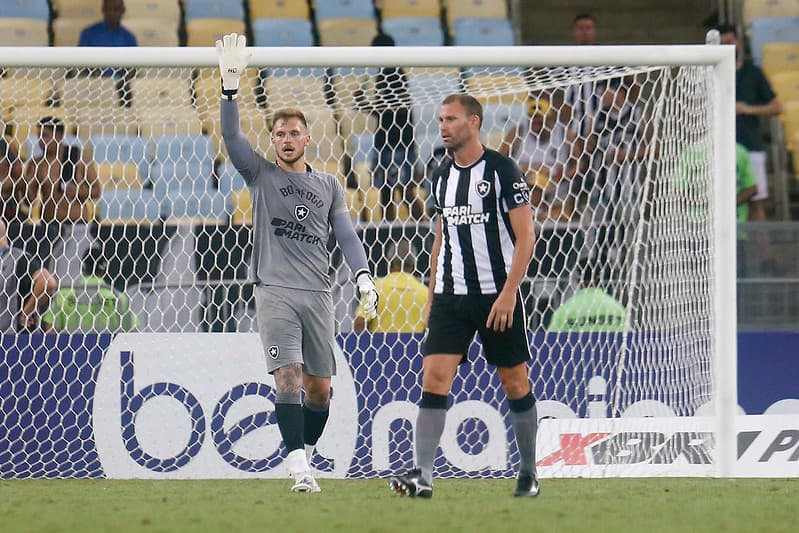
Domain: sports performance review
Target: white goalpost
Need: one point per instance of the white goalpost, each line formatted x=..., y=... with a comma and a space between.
x=629, y=151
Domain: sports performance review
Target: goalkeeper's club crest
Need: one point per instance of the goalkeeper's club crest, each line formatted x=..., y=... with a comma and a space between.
x=482, y=188
x=301, y=212
x=273, y=351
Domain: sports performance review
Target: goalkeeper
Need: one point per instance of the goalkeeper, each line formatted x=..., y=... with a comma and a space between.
x=294, y=208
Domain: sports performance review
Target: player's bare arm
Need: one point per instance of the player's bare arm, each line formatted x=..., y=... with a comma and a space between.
x=433, y=267
x=521, y=220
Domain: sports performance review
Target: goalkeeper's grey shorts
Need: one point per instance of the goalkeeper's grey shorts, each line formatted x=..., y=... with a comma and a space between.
x=296, y=326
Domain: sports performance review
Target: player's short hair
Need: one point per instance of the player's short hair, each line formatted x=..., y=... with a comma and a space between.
x=52, y=122
x=727, y=28
x=471, y=104
x=583, y=16
x=289, y=113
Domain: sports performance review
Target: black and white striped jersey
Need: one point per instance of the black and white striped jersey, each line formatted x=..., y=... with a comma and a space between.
x=478, y=241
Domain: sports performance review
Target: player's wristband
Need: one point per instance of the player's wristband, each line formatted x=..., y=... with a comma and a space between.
x=362, y=271
x=229, y=94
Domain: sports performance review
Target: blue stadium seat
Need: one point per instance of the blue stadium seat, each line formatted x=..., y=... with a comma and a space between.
x=772, y=30
x=483, y=32
x=25, y=9
x=138, y=204
x=415, y=31
x=122, y=148
x=203, y=9
x=344, y=9
x=181, y=162
x=206, y=205
x=229, y=179
x=282, y=32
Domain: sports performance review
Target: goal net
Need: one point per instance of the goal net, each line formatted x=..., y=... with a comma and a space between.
x=136, y=234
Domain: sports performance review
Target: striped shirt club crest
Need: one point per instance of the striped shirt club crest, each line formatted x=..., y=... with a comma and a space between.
x=473, y=203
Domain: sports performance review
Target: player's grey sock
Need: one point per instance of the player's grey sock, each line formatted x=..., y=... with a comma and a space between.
x=429, y=426
x=288, y=410
x=524, y=419
x=315, y=417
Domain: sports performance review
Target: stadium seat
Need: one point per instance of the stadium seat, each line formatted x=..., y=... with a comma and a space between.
x=161, y=10
x=106, y=121
x=157, y=121
x=19, y=90
x=497, y=87
x=278, y=9
x=326, y=146
x=354, y=199
x=121, y=149
x=79, y=9
x=29, y=147
x=222, y=9
x=786, y=85
x=780, y=57
x=482, y=32
x=760, y=9
x=458, y=9
x=25, y=120
x=417, y=31
x=23, y=32
x=303, y=92
x=390, y=9
x=372, y=208
x=229, y=179
x=25, y=9
x=772, y=30
x=282, y=32
x=498, y=117
x=87, y=91
x=118, y=175
x=346, y=32
x=171, y=90
x=241, y=211
x=206, y=31
x=344, y=9
x=66, y=31
x=129, y=205
x=181, y=162
x=201, y=207
x=428, y=88
x=153, y=32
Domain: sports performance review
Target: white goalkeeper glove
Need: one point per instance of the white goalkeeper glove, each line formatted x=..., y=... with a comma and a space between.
x=368, y=294
x=233, y=59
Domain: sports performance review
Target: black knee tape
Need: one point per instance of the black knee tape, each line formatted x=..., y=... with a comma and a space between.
x=520, y=405
x=433, y=401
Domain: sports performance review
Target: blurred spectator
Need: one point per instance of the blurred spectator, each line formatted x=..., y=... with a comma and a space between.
x=584, y=29
x=542, y=147
x=25, y=287
x=746, y=181
x=64, y=175
x=582, y=97
x=754, y=99
x=403, y=298
x=393, y=156
x=92, y=305
x=590, y=309
x=111, y=32
x=12, y=186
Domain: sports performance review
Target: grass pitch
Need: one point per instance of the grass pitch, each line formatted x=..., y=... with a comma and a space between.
x=613, y=505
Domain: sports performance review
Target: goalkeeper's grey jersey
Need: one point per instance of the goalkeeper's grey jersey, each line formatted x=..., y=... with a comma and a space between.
x=292, y=213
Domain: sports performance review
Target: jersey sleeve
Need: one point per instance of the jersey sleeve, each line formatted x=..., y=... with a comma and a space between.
x=513, y=189
x=338, y=203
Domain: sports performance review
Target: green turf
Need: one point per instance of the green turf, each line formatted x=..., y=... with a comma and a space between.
x=617, y=505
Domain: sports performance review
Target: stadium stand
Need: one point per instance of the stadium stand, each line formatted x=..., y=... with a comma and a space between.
x=390, y=9
x=66, y=31
x=780, y=57
x=25, y=9
x=79, y=9
x=415, y=31
x=221, y=9
x=278, y=9
x=206, y=31
x=23, y=32
x=458, y=9
x=760, y=9
x=129, y=206
x=283, y=32
x=154, y=32
x=344, y=9
x=346, y=32
x=482, y=32
x=772, y=30
x=152, y=9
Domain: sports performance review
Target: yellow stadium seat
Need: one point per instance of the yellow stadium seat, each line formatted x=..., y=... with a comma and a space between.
x=17, y=89
x=372, y=209
x=786, y=85
x=354, y=199
x=156, y=121
x=272, y=9
x=242, y=207
x=207, y=91
x=205, y=32
x=346, y=32
x=757, y=9
x=105, y=121
x=87, y=91
x=496, y=9
x=303, y=92
x=326, y=144
x=77, y=9
x=172, y=89
x=498, y=88
x=154, y=32
x=119, y=175
x=410, y=8
x=23, y=32
x=66, y=31
x=162, y=10
x=780, y=57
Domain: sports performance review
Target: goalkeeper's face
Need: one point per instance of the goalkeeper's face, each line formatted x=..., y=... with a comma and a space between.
x=290, y=137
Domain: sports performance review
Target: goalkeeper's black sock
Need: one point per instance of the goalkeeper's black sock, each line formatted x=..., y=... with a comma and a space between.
x=290, y=422
x=315, y=417
x=429, y=426
x=524, y=419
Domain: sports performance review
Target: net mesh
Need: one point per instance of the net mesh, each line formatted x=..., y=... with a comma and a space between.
x=617, y=160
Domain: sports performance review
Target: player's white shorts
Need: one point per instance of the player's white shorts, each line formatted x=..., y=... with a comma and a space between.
x=758, y=160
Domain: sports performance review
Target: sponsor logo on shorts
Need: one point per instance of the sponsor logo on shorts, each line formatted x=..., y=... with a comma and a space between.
x=273, y=351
